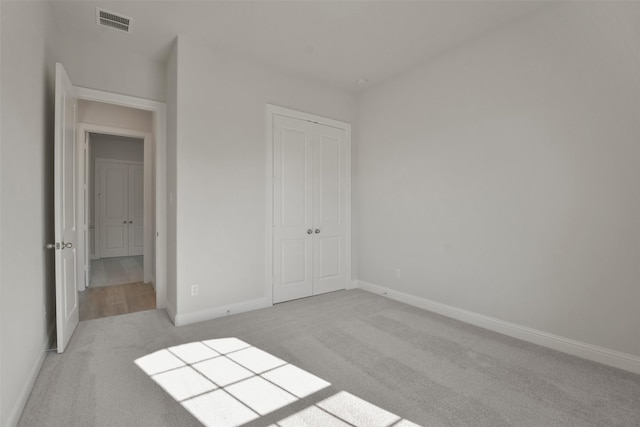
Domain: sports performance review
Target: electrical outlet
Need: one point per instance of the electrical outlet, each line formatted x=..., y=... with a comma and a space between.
x=396, y=273
x=194, y=290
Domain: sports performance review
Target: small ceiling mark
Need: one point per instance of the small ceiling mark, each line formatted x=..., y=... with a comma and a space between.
x=113, y=20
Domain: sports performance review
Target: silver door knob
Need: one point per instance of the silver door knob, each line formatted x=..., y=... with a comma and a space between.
x=50, y=246
x=67, y=245
x=317, y=231
x=309, y=231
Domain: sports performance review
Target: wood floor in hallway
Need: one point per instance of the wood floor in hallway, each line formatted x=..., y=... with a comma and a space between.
x=116, y=299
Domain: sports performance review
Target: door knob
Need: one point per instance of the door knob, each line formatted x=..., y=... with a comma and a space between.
x=124, y=222
x=50, y=246
x=309, y=231
x=317, y=231
x=67, y=245
x=130, y=222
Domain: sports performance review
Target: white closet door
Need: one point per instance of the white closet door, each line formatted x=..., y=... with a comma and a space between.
x=330, y=179
x=114, y=209
x=136, y=213
x=292, y=209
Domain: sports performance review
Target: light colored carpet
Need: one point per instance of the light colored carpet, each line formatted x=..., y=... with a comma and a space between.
x=424, y=367
x=116, y=271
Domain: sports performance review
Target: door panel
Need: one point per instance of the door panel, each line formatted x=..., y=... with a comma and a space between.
x=294, y=171
x=294, y=262
x=329, y=180
x=329, y=209
x=329, y=266
x=114, y=238
x=113, y=209
x=136, y=210
x=292, y=216
x=66, y=231
x=70, y=304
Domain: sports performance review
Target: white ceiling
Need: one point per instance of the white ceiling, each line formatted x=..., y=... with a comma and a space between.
x=335, y=42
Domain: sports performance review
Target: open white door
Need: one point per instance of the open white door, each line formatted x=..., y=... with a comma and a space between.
x=66, y=230
x=113, y=217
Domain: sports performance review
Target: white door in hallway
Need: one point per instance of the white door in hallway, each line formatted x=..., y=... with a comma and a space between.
x=66, y=231
x=120, y=208
x=136, y=212
x=113, y=208
x=310, y=198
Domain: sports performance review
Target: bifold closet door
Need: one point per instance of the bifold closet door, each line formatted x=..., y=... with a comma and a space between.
x=121, y=214
x=329, y=209
x=310, y=166
x=136, y=212
x=292, y=209
x=113, y=209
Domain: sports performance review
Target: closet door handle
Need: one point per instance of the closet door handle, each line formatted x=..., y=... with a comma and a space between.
x=309, y=231
x=124, y=222
x=317, y=231
x=130, y=222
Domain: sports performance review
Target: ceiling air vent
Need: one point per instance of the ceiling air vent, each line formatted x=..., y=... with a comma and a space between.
x=113, y=20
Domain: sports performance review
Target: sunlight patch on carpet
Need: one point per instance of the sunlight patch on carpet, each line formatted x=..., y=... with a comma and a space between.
x=226, y=383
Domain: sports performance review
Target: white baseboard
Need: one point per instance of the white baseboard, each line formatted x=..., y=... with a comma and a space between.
x=23, y=396
x=171, y=311
x=353, y=284
x=602, y=355
x=212, y=313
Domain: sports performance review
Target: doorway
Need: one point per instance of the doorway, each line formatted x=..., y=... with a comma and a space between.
x=116, y=210
x=116, y=250
x=308, y=205
x=70, y=195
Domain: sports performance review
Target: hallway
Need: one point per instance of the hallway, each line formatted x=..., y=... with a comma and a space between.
x=116, y=271
x=106, y=301
x=116, y=287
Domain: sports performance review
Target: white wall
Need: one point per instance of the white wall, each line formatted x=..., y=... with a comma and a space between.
x=103, y=114
x=26, y=268
x=116, y=148
x=95, y=67
x=503, y=177
x=221, y=129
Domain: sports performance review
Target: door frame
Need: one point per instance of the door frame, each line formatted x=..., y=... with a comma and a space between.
x=83, y=204
x=271, y=111
x=155, y=173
